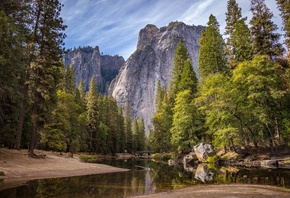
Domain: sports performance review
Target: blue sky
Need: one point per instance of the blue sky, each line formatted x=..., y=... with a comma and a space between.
x=113, y=25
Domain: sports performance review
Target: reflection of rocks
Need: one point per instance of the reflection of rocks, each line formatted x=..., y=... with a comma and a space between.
x=203, y=173
x=172, y=162
x=203, y=151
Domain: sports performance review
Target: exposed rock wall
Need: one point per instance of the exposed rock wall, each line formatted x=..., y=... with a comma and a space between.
x=88, y=62
x=137, y=80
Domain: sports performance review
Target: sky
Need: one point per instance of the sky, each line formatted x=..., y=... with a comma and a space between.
x=114, y=25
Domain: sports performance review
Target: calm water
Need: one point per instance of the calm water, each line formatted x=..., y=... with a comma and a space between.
x=159, y=178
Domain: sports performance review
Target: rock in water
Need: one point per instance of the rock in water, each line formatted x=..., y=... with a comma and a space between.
x=203, y=151
x=152, y=62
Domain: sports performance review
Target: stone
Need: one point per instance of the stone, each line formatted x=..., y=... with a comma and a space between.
x=203, y=151
x=136, y=83
x=88, y=62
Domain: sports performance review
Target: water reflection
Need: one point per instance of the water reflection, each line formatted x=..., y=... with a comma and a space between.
x=161, y=177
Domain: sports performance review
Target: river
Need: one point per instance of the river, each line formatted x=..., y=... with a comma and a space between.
x=154, y=177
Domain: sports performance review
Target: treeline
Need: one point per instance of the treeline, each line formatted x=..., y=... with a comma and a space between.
x=40, y=107
x=242, y=96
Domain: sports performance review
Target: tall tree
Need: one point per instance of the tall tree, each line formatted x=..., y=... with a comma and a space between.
x=211, y=54
x=181, y=55
x=233, y=15
x=93, y=116
x=45, y=62
x=128, y=129
x=284, y=7
x=265, y=39
x=12, y=60
x=242, y=48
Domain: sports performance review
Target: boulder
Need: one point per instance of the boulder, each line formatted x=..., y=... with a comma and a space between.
x=203, y=151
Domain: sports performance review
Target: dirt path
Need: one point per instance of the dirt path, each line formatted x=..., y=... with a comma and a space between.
x=228, y=191
x=19, y=168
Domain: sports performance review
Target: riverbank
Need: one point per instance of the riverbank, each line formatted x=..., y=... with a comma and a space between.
x=19, y=168
x=231, y=190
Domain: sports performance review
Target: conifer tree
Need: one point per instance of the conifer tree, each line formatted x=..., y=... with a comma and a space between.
x=188, y=79
x=284, y=7
x=44, y=62
x=241, y=43
x=128, y=129
x=93, y=116
x=265, y=39
x=211, y=54
x=181, y=55
x=135, y=133
x=141, y=134
x=233, y=15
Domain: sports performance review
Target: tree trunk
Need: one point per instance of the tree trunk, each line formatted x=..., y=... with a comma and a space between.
x=33, y=131
x=21, y=117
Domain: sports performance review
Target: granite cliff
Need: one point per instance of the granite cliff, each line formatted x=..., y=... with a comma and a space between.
x=88, y=62
x=152, y=61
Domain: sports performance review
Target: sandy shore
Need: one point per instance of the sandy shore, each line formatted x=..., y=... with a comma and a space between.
x=229, y=191
x=19, y=168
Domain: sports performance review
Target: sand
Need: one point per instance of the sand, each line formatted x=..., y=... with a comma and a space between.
x=19, y=168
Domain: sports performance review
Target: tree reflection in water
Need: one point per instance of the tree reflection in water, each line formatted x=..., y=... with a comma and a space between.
x=160, y=178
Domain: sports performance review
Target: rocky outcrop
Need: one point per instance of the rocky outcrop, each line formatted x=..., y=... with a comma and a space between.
x=88, y=62
x=203, y=151
x=152, y=62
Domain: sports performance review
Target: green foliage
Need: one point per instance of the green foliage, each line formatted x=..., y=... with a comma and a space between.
x=211, y=54
x=265, y=40
x=284, y=7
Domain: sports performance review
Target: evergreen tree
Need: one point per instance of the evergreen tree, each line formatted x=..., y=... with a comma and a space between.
x=188, y=79
x=284, y=7
x=211, y=54
x=241, y=43
x=183, y=120
x=162, y=121
x=69, y=80
x=93, y=116
x=12, y=61
x=181, y=55
x=128, y=129
x=233, y=15
x=44, y=64
x=265, y=40
x=135, y=133
x=141, y=134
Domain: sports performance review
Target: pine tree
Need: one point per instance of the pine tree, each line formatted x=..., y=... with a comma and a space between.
x=265, y=40
x=233, y=15
x=69, y=80
x=12, y=61
x=45, y=62
x=128, y=129
x=211, y=54
x=241, y=43
x=141, y=134
x=181, y=55
x=93, y=116
x=135, y=132
x=188, y=79
x=284, y=7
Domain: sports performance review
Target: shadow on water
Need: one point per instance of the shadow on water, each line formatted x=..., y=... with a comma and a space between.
x=159, y=178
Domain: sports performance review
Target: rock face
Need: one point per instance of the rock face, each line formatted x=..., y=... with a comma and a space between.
x=88, y=62
x=152, y=62
x=203, y=151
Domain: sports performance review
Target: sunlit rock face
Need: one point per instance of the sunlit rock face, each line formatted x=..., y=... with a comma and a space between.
x=137, y=80
x=88, y=62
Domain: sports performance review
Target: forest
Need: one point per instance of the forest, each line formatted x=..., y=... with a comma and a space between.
x=241, y=97
x=41, y=107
